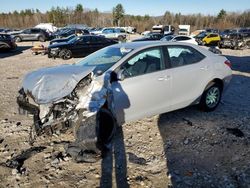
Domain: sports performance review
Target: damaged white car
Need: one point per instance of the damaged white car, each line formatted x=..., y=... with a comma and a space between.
x=122, y=83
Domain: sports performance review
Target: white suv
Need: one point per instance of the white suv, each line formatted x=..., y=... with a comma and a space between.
x=115, y=33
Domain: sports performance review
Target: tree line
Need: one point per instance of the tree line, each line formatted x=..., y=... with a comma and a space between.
x=61, y=16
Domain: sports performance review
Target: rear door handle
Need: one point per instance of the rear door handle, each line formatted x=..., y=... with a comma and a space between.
x=204, y=68
x=161, y=79
x=164, y=78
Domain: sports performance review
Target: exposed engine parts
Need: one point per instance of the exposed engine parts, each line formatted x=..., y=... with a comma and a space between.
x=85, y=109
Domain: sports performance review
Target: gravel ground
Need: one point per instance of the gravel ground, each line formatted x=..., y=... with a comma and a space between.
x=184, y=148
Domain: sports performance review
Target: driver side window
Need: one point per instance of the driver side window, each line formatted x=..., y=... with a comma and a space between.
x=147, y=61
x=27, y=31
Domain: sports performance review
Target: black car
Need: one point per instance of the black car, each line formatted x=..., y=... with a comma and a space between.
x=78, y=46
x=57, y=40
x=150, y=37
x=6, y=42
x=70, y=31
x=31, y=34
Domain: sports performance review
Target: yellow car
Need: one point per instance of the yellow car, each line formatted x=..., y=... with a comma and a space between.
x=211, y=39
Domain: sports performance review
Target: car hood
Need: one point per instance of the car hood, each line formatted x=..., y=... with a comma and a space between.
x=16, y=32
x=51, y=84
x=58, y=45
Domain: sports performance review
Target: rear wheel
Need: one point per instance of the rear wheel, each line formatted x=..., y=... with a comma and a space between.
x=211, y=98
x=41, y=38
x=17, y=39
x=65, y=54
x=120, y=38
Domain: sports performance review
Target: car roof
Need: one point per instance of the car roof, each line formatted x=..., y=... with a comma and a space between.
x=147, y=44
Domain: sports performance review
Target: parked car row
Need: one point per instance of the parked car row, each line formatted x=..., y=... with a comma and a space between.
x=40, y=33
x=152, y=36
x=231, y=38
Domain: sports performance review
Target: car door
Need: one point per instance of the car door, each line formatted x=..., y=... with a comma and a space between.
x=34, y=34
x=26, y=34
x=146, y=88
x=190, y=74
x=109, y=33
x=81, y=47
x=96, y=43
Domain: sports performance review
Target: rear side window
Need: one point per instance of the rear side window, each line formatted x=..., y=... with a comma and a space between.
x=35, y=31
x=108, y=31
x=183, y=55
x=95, y=39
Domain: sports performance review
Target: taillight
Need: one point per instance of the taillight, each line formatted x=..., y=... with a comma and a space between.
x=228, y=63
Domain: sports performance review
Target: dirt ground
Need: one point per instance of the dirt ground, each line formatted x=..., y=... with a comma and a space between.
x=184, y=148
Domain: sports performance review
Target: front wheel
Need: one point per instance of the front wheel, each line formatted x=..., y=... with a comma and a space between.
x=65, y=54
x=210, y=98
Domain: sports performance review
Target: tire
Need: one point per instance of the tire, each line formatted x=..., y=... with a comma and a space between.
x=210, y=98
x=65, y=54
x=41, y=39
x=17, y=39
x=120, y=38
x=248, y=44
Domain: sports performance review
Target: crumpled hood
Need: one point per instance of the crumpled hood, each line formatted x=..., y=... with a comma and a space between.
x=51, y=84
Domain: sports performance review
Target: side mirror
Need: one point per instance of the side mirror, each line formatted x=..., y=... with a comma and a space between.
x=120, y=76
x=114, y=77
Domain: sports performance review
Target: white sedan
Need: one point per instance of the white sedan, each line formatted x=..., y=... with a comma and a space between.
x=126, y=82
x=179, y=38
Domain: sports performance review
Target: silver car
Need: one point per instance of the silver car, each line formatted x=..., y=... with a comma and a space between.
x=126, y=82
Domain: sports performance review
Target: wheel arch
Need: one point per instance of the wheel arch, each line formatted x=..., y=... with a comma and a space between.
x=215, y=81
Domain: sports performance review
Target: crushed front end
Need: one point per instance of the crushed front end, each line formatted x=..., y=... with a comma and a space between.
x=87, y=108
x=56, y=116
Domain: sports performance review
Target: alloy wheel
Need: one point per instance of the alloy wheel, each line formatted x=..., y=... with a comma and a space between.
x=212, y=97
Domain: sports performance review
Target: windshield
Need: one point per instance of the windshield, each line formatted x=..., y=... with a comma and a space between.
x=73, y=39
x=202, y=35
x=105, y=58
x=70, y=37
x=168, y=38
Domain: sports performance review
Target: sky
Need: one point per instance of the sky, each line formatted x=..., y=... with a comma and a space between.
x=133, y=7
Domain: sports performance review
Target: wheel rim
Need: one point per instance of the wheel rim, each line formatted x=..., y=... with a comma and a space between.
x=18, y=39
x=67, y=54
x=213, y=96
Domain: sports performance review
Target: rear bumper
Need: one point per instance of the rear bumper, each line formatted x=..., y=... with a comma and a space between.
x=226, y=82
